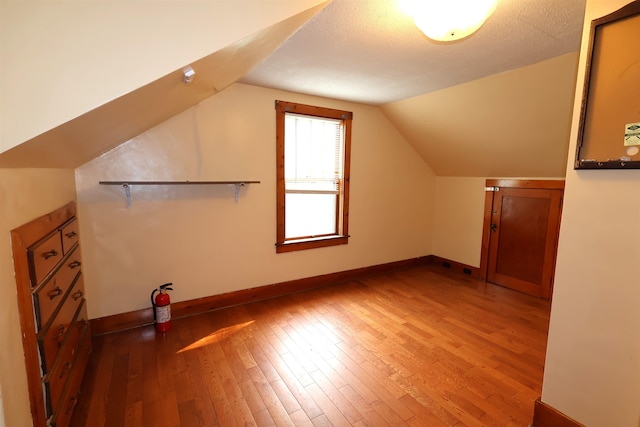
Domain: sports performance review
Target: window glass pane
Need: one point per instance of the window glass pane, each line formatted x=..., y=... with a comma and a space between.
x=310, y=215
x=313, y=152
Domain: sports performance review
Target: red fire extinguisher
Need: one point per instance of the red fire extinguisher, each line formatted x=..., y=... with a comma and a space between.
x=162, y=307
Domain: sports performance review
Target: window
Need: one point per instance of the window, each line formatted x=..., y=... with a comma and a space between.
x=313, y=149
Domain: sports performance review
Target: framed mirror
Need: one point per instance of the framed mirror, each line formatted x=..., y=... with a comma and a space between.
x=609, y=132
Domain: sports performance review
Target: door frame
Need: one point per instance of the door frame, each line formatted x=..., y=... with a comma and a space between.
x=547, y=184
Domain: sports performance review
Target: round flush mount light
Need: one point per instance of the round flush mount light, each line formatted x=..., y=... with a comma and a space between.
x=449, y=20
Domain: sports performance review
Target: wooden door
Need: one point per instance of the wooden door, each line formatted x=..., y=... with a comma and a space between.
x=523, y=236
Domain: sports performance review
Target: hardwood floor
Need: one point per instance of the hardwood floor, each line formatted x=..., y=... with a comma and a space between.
x=416, y=347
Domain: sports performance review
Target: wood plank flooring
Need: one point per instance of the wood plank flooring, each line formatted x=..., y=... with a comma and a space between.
x=415, y=347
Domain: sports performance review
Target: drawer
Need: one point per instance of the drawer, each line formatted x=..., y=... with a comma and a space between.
x=60, y=374
x=72, y=391
x=50, y=339
x=48, y=298
x=44, y=257
x=70, y=235
x=63, y=416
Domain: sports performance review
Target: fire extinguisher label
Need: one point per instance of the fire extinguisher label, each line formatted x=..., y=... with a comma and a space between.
x=163, y=314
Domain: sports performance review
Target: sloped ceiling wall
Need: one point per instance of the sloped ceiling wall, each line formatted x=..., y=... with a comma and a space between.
x=79, y=78
x=514, y=124
x=510, y=124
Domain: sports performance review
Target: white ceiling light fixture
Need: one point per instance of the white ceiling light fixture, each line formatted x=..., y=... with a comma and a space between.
x=449, y=20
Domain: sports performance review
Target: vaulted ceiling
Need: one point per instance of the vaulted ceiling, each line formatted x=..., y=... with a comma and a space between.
x=367, y=52
x=45, y=88
x=371, y=52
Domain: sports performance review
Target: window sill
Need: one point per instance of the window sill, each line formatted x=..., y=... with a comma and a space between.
x=303, y=244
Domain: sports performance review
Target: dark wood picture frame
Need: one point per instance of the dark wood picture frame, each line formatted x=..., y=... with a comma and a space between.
x=611, y=92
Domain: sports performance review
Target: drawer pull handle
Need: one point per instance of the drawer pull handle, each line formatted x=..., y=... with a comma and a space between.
x=60, y=334
x=47, y=255
x=67, y=368
x=76, y=295
x=73, y=402
x=71, y=234
x=54, y=293
x=75, y=264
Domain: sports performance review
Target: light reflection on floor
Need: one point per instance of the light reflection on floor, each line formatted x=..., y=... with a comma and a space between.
x=216, y=336
x=314, y=345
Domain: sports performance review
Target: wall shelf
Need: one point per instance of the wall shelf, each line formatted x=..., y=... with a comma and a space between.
x=126, y=185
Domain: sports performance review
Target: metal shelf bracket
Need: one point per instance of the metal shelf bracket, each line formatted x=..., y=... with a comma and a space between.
x=237, y=188
x=127, y=193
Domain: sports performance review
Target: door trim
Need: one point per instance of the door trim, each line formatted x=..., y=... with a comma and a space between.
x=551, y=184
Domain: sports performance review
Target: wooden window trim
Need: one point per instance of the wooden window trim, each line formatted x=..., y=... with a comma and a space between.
x=342, y=213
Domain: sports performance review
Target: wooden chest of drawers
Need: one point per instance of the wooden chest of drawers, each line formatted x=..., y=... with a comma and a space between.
x=53, y=313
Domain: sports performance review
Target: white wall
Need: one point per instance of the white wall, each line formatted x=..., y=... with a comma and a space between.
x=203, y=242
x=458, y=219
x=25, y=194
x=61, y=59
x=514, y=123
x=592, y=370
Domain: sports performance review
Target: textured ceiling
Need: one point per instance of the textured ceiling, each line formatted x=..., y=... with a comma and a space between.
x=369, y=51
